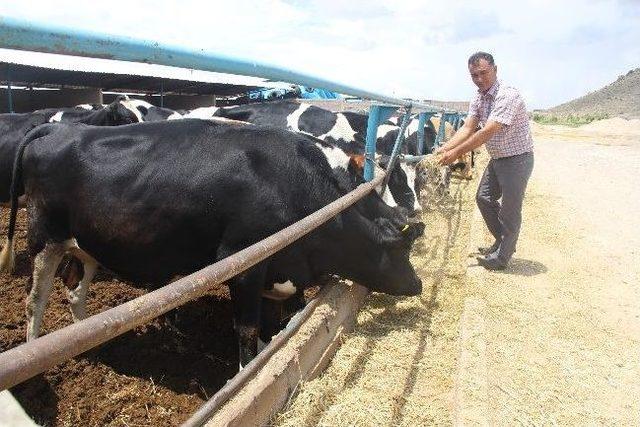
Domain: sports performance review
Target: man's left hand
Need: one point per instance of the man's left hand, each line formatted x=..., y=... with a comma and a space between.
x=448, y=157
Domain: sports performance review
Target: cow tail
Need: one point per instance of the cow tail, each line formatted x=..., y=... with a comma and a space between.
x=7, y=256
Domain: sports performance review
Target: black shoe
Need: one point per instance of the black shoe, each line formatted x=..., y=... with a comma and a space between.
x=492, y=263
x=489, y=249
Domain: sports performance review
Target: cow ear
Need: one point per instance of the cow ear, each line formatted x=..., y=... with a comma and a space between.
x=388, y=235
x=357, y=161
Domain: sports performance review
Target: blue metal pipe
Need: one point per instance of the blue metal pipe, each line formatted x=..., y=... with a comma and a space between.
x=422, y=119
x=370, y=144
x=377, y=115
x=41, y=37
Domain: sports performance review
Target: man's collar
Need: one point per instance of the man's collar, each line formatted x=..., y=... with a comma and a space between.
x=492, y=90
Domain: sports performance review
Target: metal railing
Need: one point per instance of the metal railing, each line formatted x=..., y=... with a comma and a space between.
x=29, y=359
x=41, y=37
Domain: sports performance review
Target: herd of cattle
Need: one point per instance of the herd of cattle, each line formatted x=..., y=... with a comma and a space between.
x=150, y=193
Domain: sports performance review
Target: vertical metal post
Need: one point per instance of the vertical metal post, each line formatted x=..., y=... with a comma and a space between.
x=161, y=93
x=422, y=120
x=370, y=146
x=9, y=95
x=377, y=114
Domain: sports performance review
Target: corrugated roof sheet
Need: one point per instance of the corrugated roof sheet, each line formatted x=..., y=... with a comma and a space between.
x=51, y=70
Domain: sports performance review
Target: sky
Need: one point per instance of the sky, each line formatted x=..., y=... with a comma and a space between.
x=552, y=51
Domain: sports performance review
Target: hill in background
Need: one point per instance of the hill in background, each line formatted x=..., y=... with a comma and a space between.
x=618, y=99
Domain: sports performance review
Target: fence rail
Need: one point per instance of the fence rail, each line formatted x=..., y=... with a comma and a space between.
x=29, y=359
x=41, y=37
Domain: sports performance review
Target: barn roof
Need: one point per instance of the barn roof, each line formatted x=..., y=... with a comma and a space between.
x=36, y=69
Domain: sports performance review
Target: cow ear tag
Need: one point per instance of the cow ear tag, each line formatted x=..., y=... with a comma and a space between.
x=405, y=228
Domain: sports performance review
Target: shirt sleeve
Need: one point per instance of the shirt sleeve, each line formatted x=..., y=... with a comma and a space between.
x=474, y=107
x=505, y=107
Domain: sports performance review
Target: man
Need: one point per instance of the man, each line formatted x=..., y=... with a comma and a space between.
x=500, y=112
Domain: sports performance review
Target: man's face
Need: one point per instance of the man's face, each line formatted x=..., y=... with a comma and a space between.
x=483, y=74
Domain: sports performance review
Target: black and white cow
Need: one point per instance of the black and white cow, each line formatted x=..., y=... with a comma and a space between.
x=151, y=113
x=345, y=130
x=154, y=200
x=411, y=135
x=92, y=107
x=13, y=128
x=203, y=113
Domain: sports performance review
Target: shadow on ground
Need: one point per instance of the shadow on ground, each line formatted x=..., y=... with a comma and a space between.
x=521, y=267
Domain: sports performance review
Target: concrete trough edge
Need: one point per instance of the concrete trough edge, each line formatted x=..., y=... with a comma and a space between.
x=303, y=357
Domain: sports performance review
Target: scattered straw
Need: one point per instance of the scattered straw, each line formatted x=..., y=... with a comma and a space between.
x=434, y=183
x=397, y=367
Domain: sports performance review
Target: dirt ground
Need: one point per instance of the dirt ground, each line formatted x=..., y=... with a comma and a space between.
x=554, y=339
x=158, y=374
x=559, y=331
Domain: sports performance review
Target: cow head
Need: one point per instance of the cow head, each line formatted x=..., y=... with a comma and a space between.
x=391, y=272
x=402, y=185
x=375, y=253
x=122, y=112
x=412, y=139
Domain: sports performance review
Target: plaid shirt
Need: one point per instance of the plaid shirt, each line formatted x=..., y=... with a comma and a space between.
x=504, y=104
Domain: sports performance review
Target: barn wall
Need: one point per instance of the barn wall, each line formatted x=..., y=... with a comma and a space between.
x=25, y=100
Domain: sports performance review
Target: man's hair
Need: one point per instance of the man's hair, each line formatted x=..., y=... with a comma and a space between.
x=473, y=59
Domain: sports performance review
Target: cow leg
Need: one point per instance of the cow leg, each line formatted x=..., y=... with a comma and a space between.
x=277, y=304
x=78, y=296
x=22, y=202
x=81, y=263
x=7, y=256
x=246, y=297
x=45, y=264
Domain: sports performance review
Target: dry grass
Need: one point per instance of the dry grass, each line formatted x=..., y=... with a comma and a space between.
x=434, y=193
x=398, y=366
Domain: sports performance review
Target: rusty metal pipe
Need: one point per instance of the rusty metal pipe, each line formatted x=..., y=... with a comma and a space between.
x=27, y=360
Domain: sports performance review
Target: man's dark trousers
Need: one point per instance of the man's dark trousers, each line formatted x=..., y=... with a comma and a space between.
x=504, y=178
